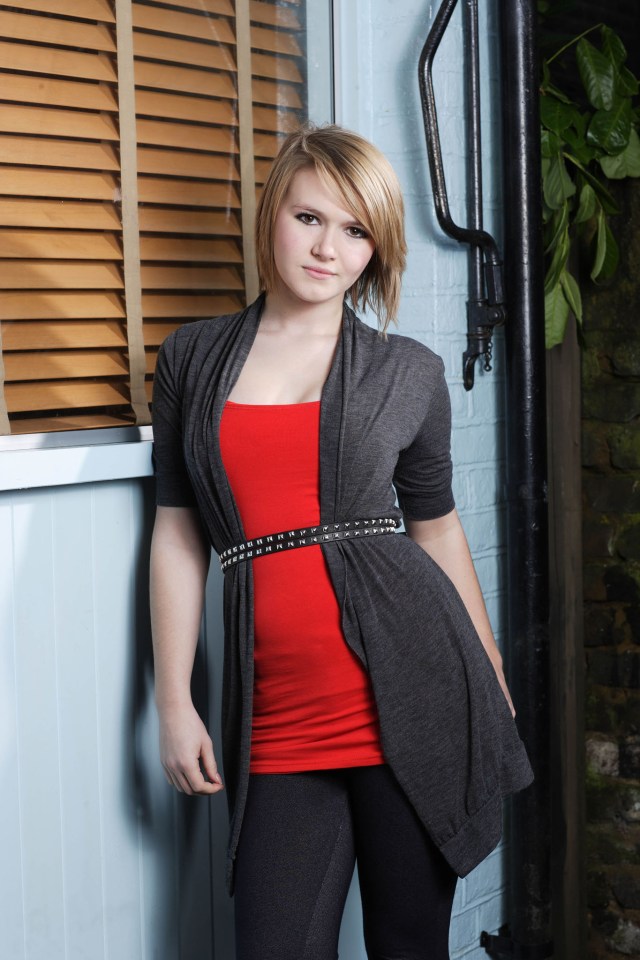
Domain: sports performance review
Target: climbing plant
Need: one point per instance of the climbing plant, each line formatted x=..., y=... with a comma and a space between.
x=588, y=139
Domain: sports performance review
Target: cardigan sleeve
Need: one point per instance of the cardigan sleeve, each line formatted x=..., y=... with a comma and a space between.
x=423, y=472
x=173, y=487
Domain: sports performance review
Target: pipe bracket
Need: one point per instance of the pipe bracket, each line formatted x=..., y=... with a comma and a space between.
x=482, y=317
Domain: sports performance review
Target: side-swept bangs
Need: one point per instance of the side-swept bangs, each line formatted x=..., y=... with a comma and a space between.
x=367, y=184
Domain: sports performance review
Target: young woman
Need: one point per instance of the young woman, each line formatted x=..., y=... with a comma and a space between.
x=365, y=711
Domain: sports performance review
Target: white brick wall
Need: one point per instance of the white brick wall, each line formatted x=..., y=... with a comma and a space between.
x=379, y=44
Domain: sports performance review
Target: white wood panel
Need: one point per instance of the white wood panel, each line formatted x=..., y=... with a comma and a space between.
x=38, y=730
x=55, y=466
x=100, y=858
x=153, y=802
x=114, y=642
x=151, y=798
x=11, y=899
x=74, y=589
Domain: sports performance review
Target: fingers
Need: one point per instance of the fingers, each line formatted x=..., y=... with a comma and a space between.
x=208, y=763
x=176, y=780
x=186, y=752
x=190, y=779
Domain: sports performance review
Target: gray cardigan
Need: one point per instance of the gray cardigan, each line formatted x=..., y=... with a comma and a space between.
x=447, y=731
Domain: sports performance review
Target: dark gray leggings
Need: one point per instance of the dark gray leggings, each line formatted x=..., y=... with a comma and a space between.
x=301, y=835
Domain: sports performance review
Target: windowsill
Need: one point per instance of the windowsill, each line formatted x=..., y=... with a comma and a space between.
x=78, y=456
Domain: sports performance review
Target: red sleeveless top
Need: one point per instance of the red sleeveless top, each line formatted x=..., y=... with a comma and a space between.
x=313, y=706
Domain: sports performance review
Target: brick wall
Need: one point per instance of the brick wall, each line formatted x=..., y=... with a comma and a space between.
x=378, y=96
x=611, y=497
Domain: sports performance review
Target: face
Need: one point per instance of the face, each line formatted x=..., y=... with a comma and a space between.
x=320, y=248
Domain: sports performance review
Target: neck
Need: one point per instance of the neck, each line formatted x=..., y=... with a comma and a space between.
x=282, y=312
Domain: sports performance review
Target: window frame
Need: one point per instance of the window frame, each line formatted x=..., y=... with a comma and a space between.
x=56, y=458
x=71, y=457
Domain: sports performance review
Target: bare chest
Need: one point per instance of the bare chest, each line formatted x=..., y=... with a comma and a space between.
x=281, y=370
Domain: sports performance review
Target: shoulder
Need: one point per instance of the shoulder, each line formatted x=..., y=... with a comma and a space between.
x=399, y=354
x=187, y=348
x=198, y=334
x=414, y=352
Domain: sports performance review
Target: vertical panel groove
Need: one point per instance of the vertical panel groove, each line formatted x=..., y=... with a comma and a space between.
x=133, y=614
x=94, y=607
x=17, y=724
x=56, y=660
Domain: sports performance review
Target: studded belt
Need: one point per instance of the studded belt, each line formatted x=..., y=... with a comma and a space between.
x=305, y=537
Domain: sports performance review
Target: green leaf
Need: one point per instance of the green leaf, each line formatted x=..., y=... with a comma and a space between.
x=557, y=184
x=604, y=196
x=611, y=129
x=626, y=83
x=553, y=91
x=572, y=294
x=551, y=144
x=626, y=164
x=584, y=153
x=556, y=315
x=597, y=73
x=582, y=122
x=558, y=225
x=613, y=46
x=546, y=75
x=588, y=204
x=600, y=241
x=611, y=257
x=558, y=261
x=557, y=115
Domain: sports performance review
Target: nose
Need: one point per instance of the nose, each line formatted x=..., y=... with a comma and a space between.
x=324, y=247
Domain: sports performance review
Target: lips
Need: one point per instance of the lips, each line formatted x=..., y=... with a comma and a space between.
x=317, y=272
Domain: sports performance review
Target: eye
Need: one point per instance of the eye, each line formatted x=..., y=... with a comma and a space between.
x=308, y=218
x=358, y=233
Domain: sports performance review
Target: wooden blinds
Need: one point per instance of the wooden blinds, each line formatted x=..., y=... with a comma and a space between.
x=134, y=138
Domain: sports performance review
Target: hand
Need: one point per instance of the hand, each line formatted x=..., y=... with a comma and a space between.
x=186, y=752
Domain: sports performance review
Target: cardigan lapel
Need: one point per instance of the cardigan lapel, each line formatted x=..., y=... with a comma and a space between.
x=333, y=414
x=219, y=373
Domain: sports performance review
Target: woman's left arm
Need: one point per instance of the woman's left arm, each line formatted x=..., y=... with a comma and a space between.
x=445, y=542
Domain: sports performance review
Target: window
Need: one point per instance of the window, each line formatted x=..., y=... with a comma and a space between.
x=134, y=140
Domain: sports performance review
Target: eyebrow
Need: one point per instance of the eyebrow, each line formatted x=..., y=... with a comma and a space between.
x=318, y=213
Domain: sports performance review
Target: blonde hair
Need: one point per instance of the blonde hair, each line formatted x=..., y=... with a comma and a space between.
x=368, y=185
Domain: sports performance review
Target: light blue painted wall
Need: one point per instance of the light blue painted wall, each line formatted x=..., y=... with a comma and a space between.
x=379, y=43
x=100, y=859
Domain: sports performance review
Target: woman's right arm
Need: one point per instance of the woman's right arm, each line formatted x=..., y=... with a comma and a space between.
x=179, y=565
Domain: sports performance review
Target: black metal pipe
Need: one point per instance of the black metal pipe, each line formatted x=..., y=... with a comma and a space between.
x=478, y=238
x=484, y=312
x=472, y=52
x=527, y=531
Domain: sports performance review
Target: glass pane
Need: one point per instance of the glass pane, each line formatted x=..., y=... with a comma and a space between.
x=205, y=91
